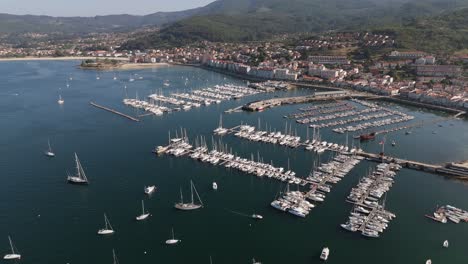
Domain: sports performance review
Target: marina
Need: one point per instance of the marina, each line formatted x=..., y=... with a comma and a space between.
x=368, y=215
x=454, y=214
x=159, y=104
x=117, y=160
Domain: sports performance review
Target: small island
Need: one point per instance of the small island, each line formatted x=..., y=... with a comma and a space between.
x=101, y=64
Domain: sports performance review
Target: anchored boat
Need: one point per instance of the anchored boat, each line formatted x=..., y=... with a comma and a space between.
x=80, y=177
x=13, y=254
x=191, y=205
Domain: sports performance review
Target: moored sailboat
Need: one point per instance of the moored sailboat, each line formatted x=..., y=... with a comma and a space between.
x=191, y=205
x=13, y=254
x=107, y=230
x=173, y=240
x=60, y=100
x=49, y=152
x=144, y=214
x=80, y=177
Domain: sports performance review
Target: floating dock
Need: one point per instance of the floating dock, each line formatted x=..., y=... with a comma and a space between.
x=114, y=111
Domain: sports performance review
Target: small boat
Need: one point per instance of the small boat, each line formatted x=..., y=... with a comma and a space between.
x=173, y=240
x=325, y=253
x=257, y=216
x=97, y=77
x=445, y=244
x=189, y=206
x=393, y=143
x=107, y=230
x=80, y=177
x=407, y=132
x=255, y=262
x=60, y=100
x=215, y=186
x=13, y=254
x=49, y=152
x=144, y=214
x=367, y=136
x=428, y=261
x=150, y=189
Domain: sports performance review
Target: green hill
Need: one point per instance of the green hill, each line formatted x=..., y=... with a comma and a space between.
x=444, y=33
x=240, y=20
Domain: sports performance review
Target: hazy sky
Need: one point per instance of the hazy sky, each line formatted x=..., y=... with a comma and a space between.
x=95, y=7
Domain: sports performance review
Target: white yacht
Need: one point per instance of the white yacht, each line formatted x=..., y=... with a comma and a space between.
x=60, y=100
x=428, y=261
x=107, y=230
x=49, y=152
x=80, y=177
x=257, y=216
x=144, y=214
x=13, y=254
x=191, y=205
x=173, y=240
x=325, y=253
x=215, y=186
x=150, y=189
x=446, y=244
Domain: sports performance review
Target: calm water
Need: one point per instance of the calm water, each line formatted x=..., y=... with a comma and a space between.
x=54, y=222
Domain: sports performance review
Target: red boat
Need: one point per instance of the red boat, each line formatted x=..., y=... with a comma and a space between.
x=367, y=136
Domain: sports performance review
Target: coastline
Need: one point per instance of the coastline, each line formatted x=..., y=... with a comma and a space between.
x=55, y=58
x=131, y=66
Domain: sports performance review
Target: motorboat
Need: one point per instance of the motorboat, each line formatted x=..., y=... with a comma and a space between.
x=150, y=189
x=325, y=253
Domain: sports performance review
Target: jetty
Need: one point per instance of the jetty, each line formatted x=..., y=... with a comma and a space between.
x=316, y=96
x=247, y=132
x=114, y=111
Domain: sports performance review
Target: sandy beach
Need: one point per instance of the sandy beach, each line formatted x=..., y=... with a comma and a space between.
x=57, y=58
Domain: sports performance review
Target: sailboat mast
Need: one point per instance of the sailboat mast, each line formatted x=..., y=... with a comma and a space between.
x=11, y=245
x=181, y=197
x=77, y=161
x=191, y=190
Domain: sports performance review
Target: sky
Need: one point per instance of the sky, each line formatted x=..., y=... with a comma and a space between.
x=95, y=7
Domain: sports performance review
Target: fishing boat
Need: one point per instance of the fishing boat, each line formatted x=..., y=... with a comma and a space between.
x=257, y=216
x=428, y=261
x=13, y=254
x=191, y=205
x=445, y=244
x=144, y=214
x=173, y=240
x=367, y=136
x=80, y=177
x=49, y=152
x=60, y=100
x=325, y=253
x=116, y=261
x=107, y=230
x=150, y=189
x=215, y=186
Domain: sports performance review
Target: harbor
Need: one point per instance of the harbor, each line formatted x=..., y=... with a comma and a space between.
x=119, y=165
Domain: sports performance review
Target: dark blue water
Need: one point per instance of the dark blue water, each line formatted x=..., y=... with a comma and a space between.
x=54, y=222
